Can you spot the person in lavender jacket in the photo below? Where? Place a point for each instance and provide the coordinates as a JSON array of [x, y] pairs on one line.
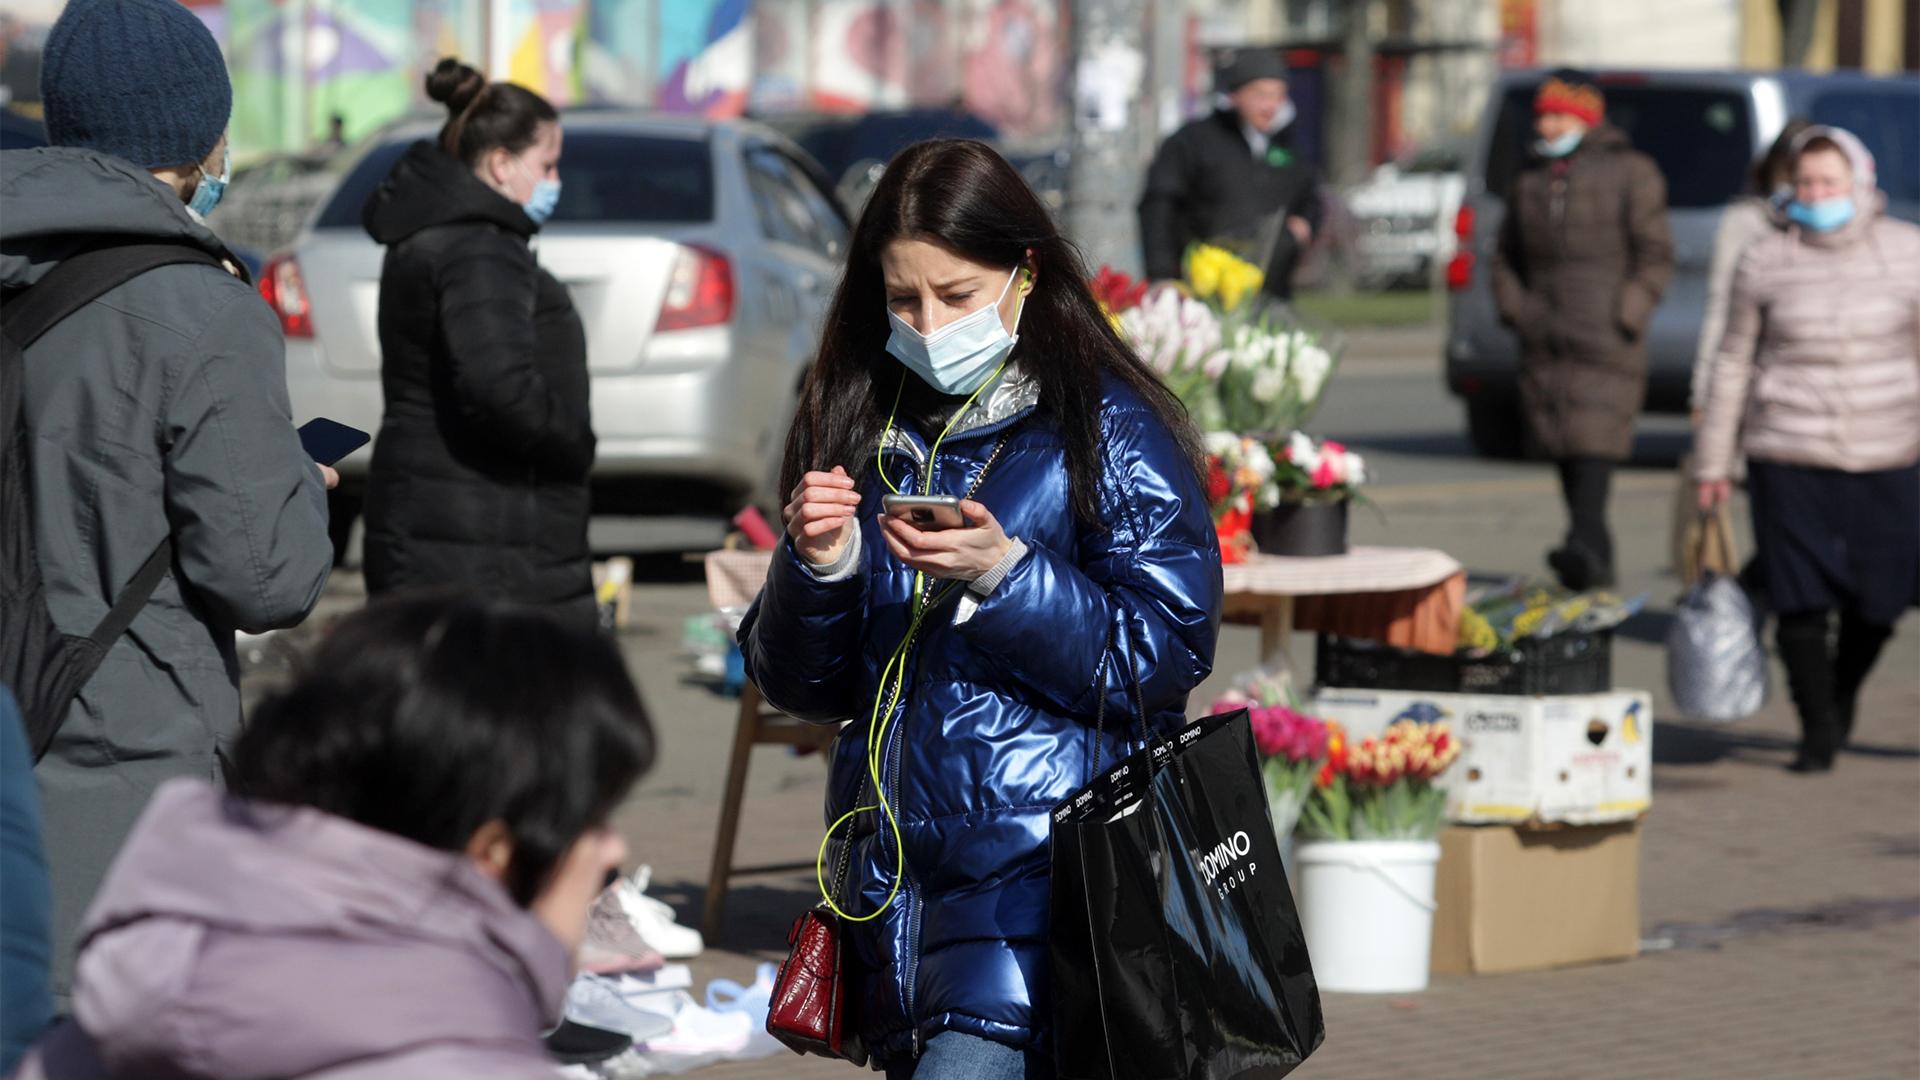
[[397, 885]]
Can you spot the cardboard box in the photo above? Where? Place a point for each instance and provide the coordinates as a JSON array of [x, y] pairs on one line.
[[1520, 899], [1585, 759]]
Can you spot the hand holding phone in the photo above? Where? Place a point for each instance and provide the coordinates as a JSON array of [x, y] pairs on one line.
[[327, 441], [962, 541]]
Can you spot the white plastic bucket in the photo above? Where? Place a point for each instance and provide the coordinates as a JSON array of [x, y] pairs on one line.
[[1367, 906]]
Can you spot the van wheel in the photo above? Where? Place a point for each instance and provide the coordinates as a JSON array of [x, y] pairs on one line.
[[1495, 427]]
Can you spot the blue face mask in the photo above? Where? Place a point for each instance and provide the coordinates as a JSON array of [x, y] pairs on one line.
[[1560, 147], [546, 195], [539, 206], [961, 356], [212, 188], [1823, 216]]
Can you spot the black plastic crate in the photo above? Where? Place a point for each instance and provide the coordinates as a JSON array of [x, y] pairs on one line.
[[1572, 663]]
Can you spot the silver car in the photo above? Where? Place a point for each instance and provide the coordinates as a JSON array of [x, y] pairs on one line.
[[1704, 130], [701, 256]]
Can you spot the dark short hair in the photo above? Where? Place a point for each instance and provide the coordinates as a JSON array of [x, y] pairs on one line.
[[484, 116], [429, 716]]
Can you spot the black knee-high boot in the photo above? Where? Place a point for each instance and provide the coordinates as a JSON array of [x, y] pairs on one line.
[[1585, 560], [1860, 645], [1808, 656]]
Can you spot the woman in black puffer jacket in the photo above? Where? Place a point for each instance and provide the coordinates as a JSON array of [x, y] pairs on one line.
[[479, 477]]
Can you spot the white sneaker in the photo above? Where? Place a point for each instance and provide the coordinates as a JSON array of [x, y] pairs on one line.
[[655, 920], [597, 1002], [700, 1034]]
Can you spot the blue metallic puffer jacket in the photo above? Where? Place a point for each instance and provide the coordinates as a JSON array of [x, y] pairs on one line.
[[996, 726]]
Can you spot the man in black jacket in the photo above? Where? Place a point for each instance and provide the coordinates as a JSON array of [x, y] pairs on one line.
[[1234, 176]]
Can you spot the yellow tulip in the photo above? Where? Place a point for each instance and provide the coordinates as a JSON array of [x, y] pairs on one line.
[[1204, 270]]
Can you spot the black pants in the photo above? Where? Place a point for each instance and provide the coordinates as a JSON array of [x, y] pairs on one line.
[[1584, 484], [1824, 675]]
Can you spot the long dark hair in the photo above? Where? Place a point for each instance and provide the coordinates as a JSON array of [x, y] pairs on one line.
[[482, 115], [429, 716], [963, 195]]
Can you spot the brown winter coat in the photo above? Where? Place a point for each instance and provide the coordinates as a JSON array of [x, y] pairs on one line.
[[1584, 255]]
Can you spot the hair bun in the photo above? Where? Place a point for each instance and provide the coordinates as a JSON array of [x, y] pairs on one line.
[[455, 85]]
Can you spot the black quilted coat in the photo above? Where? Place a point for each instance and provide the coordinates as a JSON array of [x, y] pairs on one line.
[[479, 476]]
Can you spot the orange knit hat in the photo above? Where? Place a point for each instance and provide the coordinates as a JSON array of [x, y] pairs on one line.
[[1573, 96]]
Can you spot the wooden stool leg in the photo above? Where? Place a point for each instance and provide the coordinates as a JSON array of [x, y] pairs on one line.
[[745, 734], [1276, 633]]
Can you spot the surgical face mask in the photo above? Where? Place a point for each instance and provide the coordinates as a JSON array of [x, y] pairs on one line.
[[961, 356], [212, 188], [1825, 215], [546, 195], [1560, 147]]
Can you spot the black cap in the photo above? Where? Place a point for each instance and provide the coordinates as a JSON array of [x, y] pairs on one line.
[[1242, 66]]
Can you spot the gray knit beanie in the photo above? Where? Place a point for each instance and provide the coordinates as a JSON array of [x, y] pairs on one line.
[[142, 80]]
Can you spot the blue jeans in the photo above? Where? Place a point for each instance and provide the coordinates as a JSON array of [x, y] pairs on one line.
[[954, 1055]]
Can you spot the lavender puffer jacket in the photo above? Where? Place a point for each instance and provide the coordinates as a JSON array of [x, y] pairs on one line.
[[243, 941]]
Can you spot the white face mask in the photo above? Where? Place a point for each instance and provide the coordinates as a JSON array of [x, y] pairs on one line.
[[961, 356]]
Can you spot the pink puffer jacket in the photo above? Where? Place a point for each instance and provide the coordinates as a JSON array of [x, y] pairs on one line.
[[1820, 361], [248, 942]]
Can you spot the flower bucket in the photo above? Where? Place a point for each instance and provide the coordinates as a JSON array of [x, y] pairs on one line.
[[1367, 907], [1302, 529]]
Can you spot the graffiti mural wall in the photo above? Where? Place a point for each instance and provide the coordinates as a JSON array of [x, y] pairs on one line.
[[297, 64]]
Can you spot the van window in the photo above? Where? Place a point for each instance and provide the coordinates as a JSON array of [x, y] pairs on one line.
[[1889, 123], [1701, 139]]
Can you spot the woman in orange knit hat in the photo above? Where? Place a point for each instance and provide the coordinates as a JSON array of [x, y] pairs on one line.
[[1584, 255]]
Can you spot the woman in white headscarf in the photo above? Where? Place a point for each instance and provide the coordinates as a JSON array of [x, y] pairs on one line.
[[1817, 383]]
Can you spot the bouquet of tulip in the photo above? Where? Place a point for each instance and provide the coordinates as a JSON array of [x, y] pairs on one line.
[[1309, 471], [1238, 360], [1382, 788], [1503, 615], [1239, 472], [1216, 274], [1292, 745]]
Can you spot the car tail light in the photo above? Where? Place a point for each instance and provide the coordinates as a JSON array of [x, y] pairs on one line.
[[1460, 267], [286, 293], [700, 292]]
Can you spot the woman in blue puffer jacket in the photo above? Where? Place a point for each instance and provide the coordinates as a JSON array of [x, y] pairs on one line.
[[964, 355]]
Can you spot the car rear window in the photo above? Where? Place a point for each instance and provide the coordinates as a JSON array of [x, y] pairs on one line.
[[1888, 122], [604, 177], [1702, 139]]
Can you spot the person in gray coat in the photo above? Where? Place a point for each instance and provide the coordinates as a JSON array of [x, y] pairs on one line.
[[158, 412]]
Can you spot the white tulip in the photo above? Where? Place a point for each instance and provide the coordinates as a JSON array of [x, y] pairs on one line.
[[1309, 371], [1268, 382]]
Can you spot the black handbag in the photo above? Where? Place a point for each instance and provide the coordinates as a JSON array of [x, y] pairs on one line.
[[1176, 950]]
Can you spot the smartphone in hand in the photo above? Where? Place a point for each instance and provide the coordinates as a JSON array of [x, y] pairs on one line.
[[327, 441], [928, 513]]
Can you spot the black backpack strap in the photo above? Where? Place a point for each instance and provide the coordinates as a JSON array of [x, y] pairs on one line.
[[135, 597], [81, 279]]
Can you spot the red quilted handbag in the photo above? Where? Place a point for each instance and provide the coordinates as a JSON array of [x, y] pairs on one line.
[[809, 1008]]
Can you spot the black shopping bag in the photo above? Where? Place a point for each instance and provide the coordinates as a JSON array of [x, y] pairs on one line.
[[1176, 949]]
